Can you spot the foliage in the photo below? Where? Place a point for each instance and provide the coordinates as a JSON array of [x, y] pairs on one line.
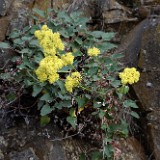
[[99, 87]]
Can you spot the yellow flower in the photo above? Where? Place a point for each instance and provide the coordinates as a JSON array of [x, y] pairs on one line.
[[67, 58], [72, 81], [57, 41], [42, 76], [44, 27], [129, 75], [48, 68], [49, 41], [53, 78], [93, 51]]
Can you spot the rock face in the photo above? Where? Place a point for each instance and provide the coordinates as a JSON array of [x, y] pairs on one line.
[[4, 6], [148, 89], [142, 50]]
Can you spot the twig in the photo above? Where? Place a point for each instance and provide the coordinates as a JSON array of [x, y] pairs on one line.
[[73, 135]]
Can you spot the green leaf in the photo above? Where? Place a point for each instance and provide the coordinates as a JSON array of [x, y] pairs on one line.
[[34, 43], [45, 110], [123, 89], [129, 103], [79, 41], [72, 121], [63, 15], [18, 42], [36, 90], [92, 71], [108, 150], [75, 15], [116, 83], [39, 12], [4, 45], [116, 56], [46, 97], [108, 36], [61, 86], [33, 29], [101, 114], [97, 34], [64, 103], [14, 34], [135, 115], [72, 112], [96, 155], [82, 156], [97, 105], [44, 120], [81, 101], [26, 50]]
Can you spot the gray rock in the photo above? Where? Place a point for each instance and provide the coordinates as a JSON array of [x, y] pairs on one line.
[[142, 51], [4, 6], [27, 154], [1, 155]]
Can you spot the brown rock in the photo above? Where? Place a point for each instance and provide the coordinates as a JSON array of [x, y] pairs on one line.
[[4, 21], [114, 12], [148, 88], [129, 149]]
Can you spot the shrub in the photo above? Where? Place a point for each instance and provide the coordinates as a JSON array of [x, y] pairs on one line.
[[70, 67]]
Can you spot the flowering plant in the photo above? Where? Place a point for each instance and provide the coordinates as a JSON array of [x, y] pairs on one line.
[[71, 69]]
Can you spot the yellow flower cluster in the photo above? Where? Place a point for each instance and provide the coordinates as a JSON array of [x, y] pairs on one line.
[[129, 75], [72, 81], [93, 52], [52, 62], [49, 41], [47, 69], [67, 58]]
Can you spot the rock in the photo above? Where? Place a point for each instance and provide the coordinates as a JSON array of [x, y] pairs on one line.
[[143, 51], [4, 6], [130, 149], [20, 12], [1, 155], [27, 154], [114, 12], [4, 21], [5, 57], [131, 44]]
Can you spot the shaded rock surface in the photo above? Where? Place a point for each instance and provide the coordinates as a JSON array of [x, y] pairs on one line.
[[142, 50], [148, 89]]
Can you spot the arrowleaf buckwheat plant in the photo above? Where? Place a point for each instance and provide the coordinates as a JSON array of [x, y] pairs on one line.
[[71, 70]]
